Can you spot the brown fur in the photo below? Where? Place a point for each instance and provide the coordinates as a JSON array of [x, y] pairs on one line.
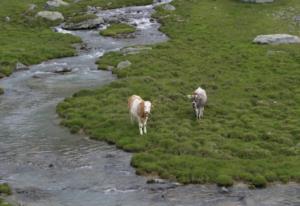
[[141, 111], [131, 99]]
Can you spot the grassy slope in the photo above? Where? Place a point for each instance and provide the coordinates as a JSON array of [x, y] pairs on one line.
[[27, 39], [30, 40], [250, 131], [117, 29]]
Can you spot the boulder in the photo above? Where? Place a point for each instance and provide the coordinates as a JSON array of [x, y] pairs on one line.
[[134, 50], [20, 66], [88, 24], [258, 1], [124, 64], [276, 39], [55, 3], [168, 7], [50, 15]]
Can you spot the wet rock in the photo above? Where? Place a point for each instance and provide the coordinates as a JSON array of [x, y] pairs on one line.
[[88, 24], [109, 156], [168, 7], [156, 181], [51, 165], [50, 15], [32, 193], [163, 186], [276, 39], [258, 1], [55, 3], [20, 67], [224, 190], [62, 70], [124, 64]]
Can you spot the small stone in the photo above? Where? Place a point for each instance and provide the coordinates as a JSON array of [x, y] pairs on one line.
[[88, 24], [124, 64], [168, 7], [224, 190], [20, 66], [7, 19], [276, 39], [50, 15], [258, 1], [55, 3], [297, 18]]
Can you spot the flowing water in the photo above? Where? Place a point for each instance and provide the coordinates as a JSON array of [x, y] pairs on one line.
[[46, 165]]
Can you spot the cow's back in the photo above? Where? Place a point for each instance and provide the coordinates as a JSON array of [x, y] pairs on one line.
[[132, 99], [133, 104], [201, 96]]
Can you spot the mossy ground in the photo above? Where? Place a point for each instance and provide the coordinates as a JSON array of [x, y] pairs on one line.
[[250, 131], [30, 40], [117, 29], [4, 190]]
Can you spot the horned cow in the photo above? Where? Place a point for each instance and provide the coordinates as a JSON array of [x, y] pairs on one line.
[[139, 110]]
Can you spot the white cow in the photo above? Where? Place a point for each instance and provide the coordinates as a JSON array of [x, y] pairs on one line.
[[199, 99], [139, 110]]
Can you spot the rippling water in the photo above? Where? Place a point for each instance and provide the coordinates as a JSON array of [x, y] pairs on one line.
[[46, 165]]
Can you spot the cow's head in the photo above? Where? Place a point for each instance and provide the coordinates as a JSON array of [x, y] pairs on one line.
[[193, 97], [147, 108]]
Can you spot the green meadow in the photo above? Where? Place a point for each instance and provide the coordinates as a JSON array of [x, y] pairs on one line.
[[250, 131]]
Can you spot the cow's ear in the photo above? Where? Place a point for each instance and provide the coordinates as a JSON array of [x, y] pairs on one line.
[[190, 96]]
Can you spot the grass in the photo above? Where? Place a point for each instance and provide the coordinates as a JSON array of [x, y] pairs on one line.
[[118, 30], [4, 203], [250, 131], [4, 190]]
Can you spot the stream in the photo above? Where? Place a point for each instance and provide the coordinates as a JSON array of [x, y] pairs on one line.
[[48, 166]]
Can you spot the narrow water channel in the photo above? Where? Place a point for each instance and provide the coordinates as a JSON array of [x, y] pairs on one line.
[[46, 165]]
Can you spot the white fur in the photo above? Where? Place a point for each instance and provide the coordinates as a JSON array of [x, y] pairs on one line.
[[134, 113], [199, 96]]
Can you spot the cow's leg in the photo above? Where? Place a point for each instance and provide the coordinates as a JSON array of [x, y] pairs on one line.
[[196, 112], [141, 128], [145, 128], [131, 118], [201, 111]]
